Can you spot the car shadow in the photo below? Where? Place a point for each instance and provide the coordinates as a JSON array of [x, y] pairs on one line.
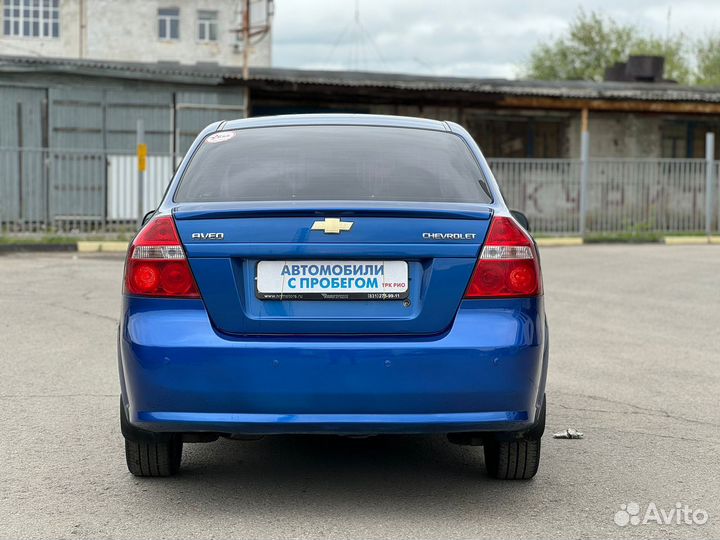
[[377, 475]]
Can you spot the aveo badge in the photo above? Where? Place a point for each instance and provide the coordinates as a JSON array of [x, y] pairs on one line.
[[207, 236]]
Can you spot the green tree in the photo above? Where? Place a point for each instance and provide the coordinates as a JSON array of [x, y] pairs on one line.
[[707, 56], [594, 42], [674, 50]]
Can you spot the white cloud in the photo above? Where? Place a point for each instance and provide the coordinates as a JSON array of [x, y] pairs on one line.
[[476, 38]]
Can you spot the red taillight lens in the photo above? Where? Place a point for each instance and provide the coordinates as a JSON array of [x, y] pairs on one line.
[[508, 264], [156, 264]]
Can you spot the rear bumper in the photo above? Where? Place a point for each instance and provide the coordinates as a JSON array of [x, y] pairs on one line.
[[486, 373]]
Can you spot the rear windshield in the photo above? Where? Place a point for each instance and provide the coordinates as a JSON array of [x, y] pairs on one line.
[[333, 163]]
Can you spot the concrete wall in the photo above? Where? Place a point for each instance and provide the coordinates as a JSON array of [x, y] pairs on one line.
[[612, 135], [618, 135], [127, 31]]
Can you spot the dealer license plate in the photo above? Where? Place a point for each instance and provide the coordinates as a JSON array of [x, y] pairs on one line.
[[332, 280]]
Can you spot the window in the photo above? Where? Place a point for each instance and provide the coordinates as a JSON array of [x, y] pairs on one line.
[[673, 138], [31, 18], [517, 136], [342, 163], [686, 138], [207, 25], [169, 23]]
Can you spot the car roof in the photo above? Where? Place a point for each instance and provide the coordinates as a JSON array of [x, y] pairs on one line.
[[334, 120]]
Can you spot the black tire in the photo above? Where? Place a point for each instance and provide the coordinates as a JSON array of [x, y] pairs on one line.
[[512, 460], [517, 459], [152, 458]]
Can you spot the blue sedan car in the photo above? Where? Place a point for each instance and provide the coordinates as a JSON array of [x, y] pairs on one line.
[[333, 274]]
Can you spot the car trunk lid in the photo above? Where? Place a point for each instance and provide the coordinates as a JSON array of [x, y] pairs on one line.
[[231, 245]]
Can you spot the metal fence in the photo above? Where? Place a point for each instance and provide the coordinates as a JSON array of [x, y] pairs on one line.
[[621, 195], [68, 191], [52, 191]]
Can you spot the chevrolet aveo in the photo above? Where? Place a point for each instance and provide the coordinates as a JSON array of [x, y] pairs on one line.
[[336, 274]]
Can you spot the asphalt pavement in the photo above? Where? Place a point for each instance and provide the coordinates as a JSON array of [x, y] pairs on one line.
[[635, 365]]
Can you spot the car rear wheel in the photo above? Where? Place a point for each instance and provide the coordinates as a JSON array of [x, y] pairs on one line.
[[516, 459], [512, 460], [153, 458]]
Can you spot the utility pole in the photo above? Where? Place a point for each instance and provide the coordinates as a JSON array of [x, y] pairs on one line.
[[81, 29], [584, 164], [245, 31], [246, 39], [709, 182]]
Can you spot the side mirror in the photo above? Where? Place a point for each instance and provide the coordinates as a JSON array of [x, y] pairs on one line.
[[521, 219]]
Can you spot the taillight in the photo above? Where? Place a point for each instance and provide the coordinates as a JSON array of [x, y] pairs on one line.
[[157, 265], [508, 264]]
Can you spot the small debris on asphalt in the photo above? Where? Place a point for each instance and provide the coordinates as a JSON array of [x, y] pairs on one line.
[[569, 433]]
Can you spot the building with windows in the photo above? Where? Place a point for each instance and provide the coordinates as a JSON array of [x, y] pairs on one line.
[[184, 31]]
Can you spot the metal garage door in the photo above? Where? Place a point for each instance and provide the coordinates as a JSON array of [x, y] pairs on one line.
[[22, 174]]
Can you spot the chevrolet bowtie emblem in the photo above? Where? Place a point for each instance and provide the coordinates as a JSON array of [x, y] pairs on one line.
[[332, 225]]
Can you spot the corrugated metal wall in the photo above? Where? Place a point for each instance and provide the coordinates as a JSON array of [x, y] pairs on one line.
[[195, 110], [82, 132], [22, 175], [82, 118]]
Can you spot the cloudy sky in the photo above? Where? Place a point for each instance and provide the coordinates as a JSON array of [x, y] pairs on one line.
[[477, 38]]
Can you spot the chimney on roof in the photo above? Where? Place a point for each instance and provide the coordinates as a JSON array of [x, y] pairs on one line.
[[638, 68], [616, 72]]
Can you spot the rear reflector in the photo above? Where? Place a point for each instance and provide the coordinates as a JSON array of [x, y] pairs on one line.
[[156, 264], [508, 264]]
